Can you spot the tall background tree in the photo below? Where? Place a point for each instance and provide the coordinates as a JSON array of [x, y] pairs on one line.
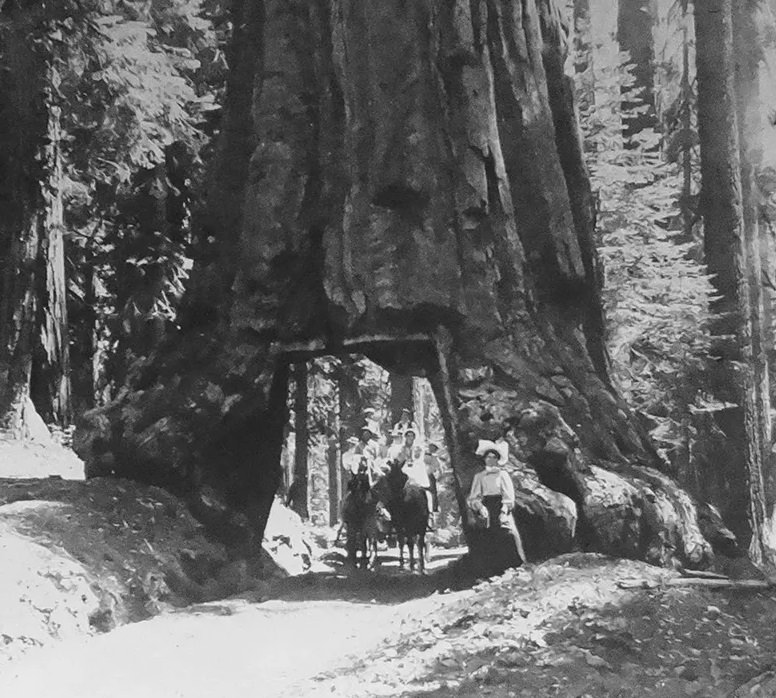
[[129, 95], [33, 316], [728, 57], [635, 24]]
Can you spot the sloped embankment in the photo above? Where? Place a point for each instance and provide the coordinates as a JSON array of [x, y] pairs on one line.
[[86, 556]]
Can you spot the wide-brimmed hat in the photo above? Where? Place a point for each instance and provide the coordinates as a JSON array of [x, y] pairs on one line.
[[372, 427], [501, 448]]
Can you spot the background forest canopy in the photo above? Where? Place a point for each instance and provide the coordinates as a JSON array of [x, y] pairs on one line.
[[109, 119]]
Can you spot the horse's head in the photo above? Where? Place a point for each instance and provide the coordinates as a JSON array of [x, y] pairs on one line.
[[359, 500], [396, 478], [360, 484]]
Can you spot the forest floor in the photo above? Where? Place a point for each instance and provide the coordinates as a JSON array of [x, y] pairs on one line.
[[80, 558]]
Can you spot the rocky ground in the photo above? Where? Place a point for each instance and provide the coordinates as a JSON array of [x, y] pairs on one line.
[[83, 560]]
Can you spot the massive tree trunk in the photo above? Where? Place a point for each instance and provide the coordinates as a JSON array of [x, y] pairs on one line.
[[728, 205], [32, 306], [416, 192]]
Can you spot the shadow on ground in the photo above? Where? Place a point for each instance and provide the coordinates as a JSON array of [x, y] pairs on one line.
[[387, 585]]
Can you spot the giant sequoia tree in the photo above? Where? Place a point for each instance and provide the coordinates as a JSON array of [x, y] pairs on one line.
[[33, 318], [404, 180]]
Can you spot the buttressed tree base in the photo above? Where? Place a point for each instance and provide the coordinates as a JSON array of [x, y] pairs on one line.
[[405, 180]]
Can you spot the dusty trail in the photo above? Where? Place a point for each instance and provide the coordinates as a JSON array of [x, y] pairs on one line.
[[580, 624], [236, 647], [230, 648]]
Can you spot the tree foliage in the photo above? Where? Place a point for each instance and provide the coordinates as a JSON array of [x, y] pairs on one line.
[[144, 81], [656, 294]]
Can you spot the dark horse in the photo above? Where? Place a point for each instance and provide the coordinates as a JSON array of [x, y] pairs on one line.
[[408, 507], [364, 525]]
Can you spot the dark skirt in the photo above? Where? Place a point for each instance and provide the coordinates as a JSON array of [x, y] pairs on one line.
[[499, 545]]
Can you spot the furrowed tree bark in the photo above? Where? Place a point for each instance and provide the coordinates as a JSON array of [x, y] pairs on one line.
[[725, 104], [415, 192], [762, 486], [32, 306], [50, 379]]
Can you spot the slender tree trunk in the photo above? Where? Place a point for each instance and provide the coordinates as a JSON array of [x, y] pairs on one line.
[[583, 55], [720, 205], [761, 480], [85, 360], [349, 412], [635, 21], [725, 120], [301, 457], [335, 482], [401, 395], [688, 214]]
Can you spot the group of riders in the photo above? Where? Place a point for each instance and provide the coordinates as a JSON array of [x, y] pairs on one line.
[[371, 454], [491, 498]]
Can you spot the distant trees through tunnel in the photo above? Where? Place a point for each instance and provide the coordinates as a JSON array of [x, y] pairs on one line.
[[340, 395]]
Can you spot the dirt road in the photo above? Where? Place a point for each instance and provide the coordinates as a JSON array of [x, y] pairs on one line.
[[238, 647], [232, 648], [577, 625]]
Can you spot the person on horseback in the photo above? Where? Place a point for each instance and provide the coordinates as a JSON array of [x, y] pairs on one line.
[[492, 499], [396, 447], [416, 471], [364, 456], [433, 469], [405, 422]]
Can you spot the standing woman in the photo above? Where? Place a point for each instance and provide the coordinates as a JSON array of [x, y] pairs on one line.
[[492, 491]]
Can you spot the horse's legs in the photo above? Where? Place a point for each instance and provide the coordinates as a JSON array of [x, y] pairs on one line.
[[364, 551], [351, 546], [411, 546], [422, 553], [400, 537]]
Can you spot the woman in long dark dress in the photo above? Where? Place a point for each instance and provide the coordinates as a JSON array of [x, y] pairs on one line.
[[492, 498]]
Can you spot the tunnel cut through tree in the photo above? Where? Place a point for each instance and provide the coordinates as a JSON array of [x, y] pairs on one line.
[[344, 393], [404, 180]]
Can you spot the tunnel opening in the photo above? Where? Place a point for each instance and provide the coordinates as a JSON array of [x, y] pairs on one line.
[[333, 392]]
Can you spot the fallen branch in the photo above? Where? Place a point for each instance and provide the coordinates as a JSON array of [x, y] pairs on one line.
[[712, 583]]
